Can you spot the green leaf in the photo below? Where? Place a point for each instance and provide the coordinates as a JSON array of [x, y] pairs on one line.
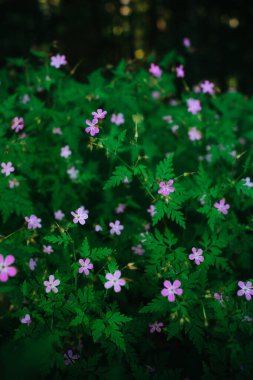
[[118, 176]]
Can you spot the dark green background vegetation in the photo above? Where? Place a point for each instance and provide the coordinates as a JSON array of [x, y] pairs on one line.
[[99, 32]]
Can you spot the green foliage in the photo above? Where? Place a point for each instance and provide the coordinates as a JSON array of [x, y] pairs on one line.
[[122, 167]]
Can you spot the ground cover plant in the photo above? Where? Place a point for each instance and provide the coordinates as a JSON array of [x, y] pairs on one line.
[[126, 223]]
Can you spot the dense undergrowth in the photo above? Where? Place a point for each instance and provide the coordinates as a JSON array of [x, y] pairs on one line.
[[131, 232]]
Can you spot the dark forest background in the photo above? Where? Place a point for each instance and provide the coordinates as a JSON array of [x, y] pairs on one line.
[[99, 32]]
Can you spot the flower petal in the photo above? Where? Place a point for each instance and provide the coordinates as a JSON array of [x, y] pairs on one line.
[[9, 260]]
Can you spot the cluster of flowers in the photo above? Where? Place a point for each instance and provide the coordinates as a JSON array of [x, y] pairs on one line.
[[93, 128]]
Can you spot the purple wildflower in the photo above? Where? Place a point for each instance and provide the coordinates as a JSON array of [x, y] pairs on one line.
[[13, 183], [86, 266], [222, 207], [26, 320], [117, 119], [151, 210], [32, 263], [58, 60], [57, 131], [168, 118], [165, 188], [59, 215], [194, 134], [25, 99], [114, 281], [180, 71], [33, 222], [207, 87], [155, 70], [194, 106], [7, 169], [17, 124], [6, 270], [186, 42], [196, 255], [116, 227], [73, 172], [156, 327], [99, 114], [120, 208], [52, 284], [65, 151], [138, 250], [48, 249], [70, 357], [92, 128], [246, 289], [171, 290], [80, 215], [247, 182]]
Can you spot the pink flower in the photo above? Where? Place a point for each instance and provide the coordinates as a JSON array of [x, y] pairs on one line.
[[120, 208], [165, 188], [80, 215], [186, 42], [114, 281], [52, 284], [247, 182], [222, 207], [86, 266], [171, 289], [32, 263], [219, 297], [207, 87], [155, 70], [13, 183], [73, 172], [6, 270], [33, 222], [17, 124], [174, 128], [156, 326], [194, 106], [155, 94], [151, 210], [58, 60], [196, 255], [126, 180], [98, 228], [117, 119], [196, 89], [194, 134], [25, 99], [57, 131], [202, 199], [173, 102], [92, 129], [138, 250], [168, 118], [116, 228], [26, 320], [59, 215], [246, 289], [99, 114], [69, 357], [180, 71], [48, 249], [7, 169], [65, 151]]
